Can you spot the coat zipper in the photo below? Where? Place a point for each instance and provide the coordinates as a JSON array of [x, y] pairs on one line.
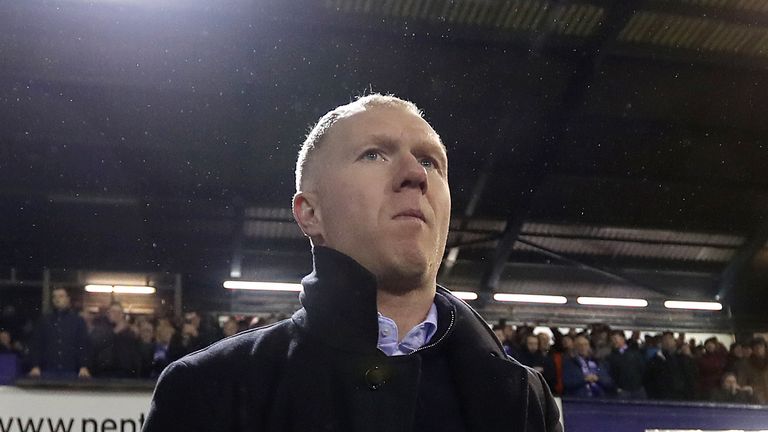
[[445, 333]]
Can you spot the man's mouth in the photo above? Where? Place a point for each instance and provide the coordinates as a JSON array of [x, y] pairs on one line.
[[411, 213]]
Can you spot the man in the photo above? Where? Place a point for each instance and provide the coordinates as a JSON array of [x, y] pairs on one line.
[[59, 347], [711, 365], [626, 366], [533, 356], [754, 371], [377, 345], [731, 392], [583, 374], [562, 351], [670, 375]]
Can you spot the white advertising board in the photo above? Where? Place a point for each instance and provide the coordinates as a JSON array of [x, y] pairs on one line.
[[45, 410]]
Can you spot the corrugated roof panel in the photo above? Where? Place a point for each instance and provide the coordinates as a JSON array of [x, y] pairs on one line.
[[589, 25], [662, 30], [537, 17], [268, 213], [761, 46], [519, 13], [567, 17], [644, 30], [629, 249], [527, 13], [502, 13], [747, 39], [636, 234], [712, 37], [629, 31], [679, 28], [474, 11], [489, 14], [695, 28], [694, 33]]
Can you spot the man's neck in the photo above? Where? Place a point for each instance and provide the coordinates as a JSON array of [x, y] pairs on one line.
[[406, 310]]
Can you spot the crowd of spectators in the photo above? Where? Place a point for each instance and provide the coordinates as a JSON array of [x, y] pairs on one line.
[[598, 362], [67, 344], [604, 363]]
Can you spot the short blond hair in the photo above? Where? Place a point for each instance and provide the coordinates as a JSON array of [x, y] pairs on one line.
[[320, 129]]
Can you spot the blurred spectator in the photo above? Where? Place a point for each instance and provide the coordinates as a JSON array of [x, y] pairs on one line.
[[196, 333], [7, 345], [754, 371], [11, 322], [710, 365], [146, 332], [600, 341], [59, 347], [499, 330], [255, 322], [583, 375], [117, 355], [651, 347], [558, 356], [9, 358], [626, 366], [545, 342], [670, 375], [230, 327], [735, 357], [160, 358], [731, 392], [532, 357], [511, 334]]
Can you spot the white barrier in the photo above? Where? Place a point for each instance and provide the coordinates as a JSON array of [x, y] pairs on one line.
[[70, 410], [66, 410]]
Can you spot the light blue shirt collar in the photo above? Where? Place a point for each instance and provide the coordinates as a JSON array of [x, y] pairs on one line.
[[416, 338]]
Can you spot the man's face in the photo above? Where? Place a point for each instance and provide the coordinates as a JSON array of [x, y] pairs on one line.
[[146, 332], [60, 299], [617, 341], [192, 318], [230, 327], [730, 383], [532, 343], [737, 351], [758, 350], [382, 194], [668, 343], [509, 332], [543, 341], [582, 346], [5, 338], [115, 314], [567, 342]]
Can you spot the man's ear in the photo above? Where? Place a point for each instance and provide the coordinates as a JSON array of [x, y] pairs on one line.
[[308, 217]]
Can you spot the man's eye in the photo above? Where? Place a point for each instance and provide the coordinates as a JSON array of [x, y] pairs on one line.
[[428, 163], [372, 155]]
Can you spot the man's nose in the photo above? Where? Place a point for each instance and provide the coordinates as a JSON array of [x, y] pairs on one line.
[[411, 174]]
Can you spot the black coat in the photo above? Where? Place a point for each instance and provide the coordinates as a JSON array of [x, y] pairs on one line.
[[670, 376], [626, 369], [320, 370], [60, 343]]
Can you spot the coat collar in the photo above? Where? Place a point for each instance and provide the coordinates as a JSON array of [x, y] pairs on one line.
[[339, 302]]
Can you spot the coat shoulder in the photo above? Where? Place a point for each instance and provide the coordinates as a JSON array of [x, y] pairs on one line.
[[243, 348]]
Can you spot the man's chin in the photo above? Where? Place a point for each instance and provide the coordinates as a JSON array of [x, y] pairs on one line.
[[401, 277]]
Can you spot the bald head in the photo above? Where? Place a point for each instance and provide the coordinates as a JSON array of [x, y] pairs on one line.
[[306, 169]]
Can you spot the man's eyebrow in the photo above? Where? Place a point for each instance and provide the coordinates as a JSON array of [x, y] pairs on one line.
[[387, 141]]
